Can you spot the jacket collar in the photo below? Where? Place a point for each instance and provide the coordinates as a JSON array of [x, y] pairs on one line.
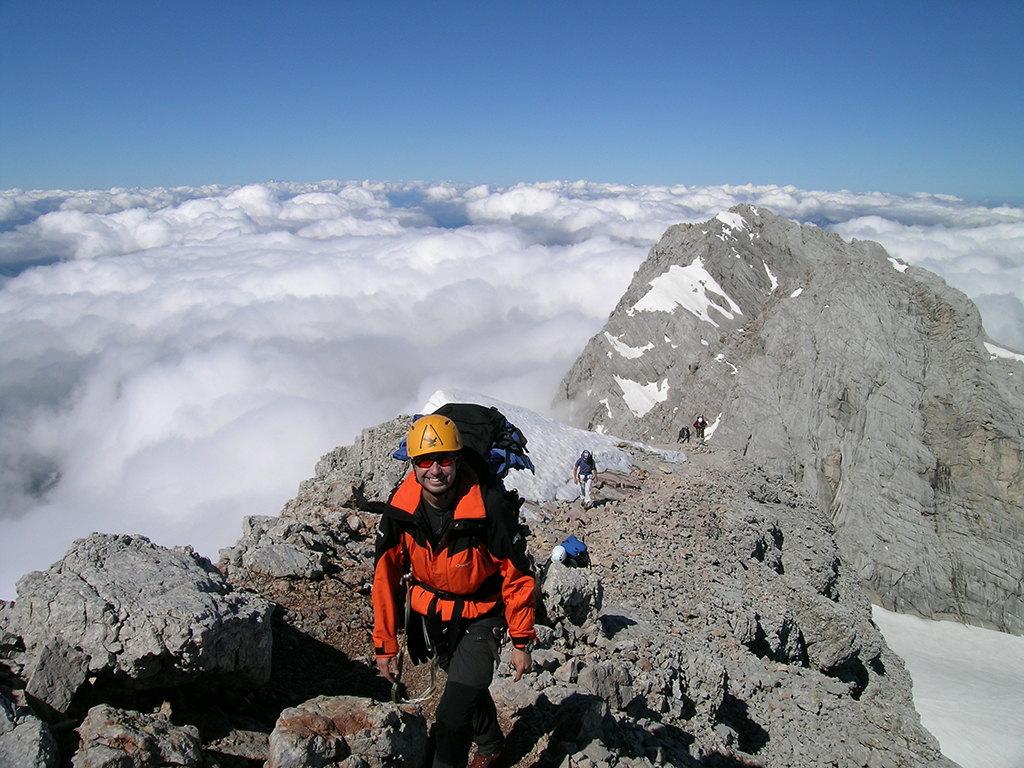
[[469, 501]]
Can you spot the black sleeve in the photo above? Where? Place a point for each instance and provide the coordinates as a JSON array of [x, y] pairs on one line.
[[387, 536]]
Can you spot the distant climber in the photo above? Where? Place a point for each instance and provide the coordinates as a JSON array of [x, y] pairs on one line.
[[583, 474], [700, 425], [684, 434]]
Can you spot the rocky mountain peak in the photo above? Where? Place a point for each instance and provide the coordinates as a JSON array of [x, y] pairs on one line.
[[868, 382]]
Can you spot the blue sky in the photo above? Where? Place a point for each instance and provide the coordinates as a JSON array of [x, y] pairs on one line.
[[894, 97]]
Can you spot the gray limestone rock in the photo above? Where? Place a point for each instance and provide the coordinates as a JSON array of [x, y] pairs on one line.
[[609, 680], [729, 626], [366, 464], [280, 547], [120, 738], [122, 608], [25, 740], [339, 730], [869, 383], [60, 670], [572, 593]]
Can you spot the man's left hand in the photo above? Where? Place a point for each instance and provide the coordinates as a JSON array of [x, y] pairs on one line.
[[521, 661]]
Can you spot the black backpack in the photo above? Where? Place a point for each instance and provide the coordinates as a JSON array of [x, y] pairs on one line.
[[492, 445]]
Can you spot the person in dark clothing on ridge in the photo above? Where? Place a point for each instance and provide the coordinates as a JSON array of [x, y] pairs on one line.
[[584, 472]]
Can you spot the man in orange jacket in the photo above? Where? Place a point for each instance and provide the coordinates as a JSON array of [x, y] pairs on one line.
[[469, 576]]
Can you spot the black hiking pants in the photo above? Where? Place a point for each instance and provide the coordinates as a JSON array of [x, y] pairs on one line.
[[466, 712]]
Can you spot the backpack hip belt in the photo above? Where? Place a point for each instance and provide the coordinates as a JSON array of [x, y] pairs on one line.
[[435, 624]]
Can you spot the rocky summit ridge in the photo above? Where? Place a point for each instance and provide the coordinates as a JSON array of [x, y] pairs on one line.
[[717, 626], [869, 383]]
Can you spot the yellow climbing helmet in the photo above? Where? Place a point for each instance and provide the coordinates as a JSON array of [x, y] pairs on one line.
[[433, 434]]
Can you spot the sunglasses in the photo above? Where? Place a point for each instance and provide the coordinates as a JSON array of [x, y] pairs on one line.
[[428, 461]]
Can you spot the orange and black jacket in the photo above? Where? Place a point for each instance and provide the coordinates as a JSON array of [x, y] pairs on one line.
[[479, 564]]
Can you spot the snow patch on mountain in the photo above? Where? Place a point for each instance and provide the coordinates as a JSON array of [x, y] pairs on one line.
[[641, 398], [553, 447], [628, 352], [1001, 352], [687, 287]]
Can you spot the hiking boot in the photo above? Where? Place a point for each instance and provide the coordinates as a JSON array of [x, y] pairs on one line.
[[484, 761]]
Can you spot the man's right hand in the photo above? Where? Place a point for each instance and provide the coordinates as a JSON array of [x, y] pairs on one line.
[[388, 666]]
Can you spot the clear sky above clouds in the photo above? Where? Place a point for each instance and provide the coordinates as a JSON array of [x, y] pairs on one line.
[[893, 97]]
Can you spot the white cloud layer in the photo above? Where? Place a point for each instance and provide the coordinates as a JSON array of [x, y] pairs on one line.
[[174, 359]]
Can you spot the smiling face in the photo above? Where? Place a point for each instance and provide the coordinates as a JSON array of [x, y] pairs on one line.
[[435, 472]]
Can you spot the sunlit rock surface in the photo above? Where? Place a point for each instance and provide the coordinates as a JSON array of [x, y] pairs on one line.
[[869, 383]]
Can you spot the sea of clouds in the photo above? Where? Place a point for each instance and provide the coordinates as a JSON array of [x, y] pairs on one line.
[[174, 359]]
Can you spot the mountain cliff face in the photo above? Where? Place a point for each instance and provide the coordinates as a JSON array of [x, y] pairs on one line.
[[869, 383]]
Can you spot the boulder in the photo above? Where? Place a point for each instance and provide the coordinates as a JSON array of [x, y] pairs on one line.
[[25, 740], [571, 593], [125, 609], [117, 738], [608, 680], [349, 731]]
